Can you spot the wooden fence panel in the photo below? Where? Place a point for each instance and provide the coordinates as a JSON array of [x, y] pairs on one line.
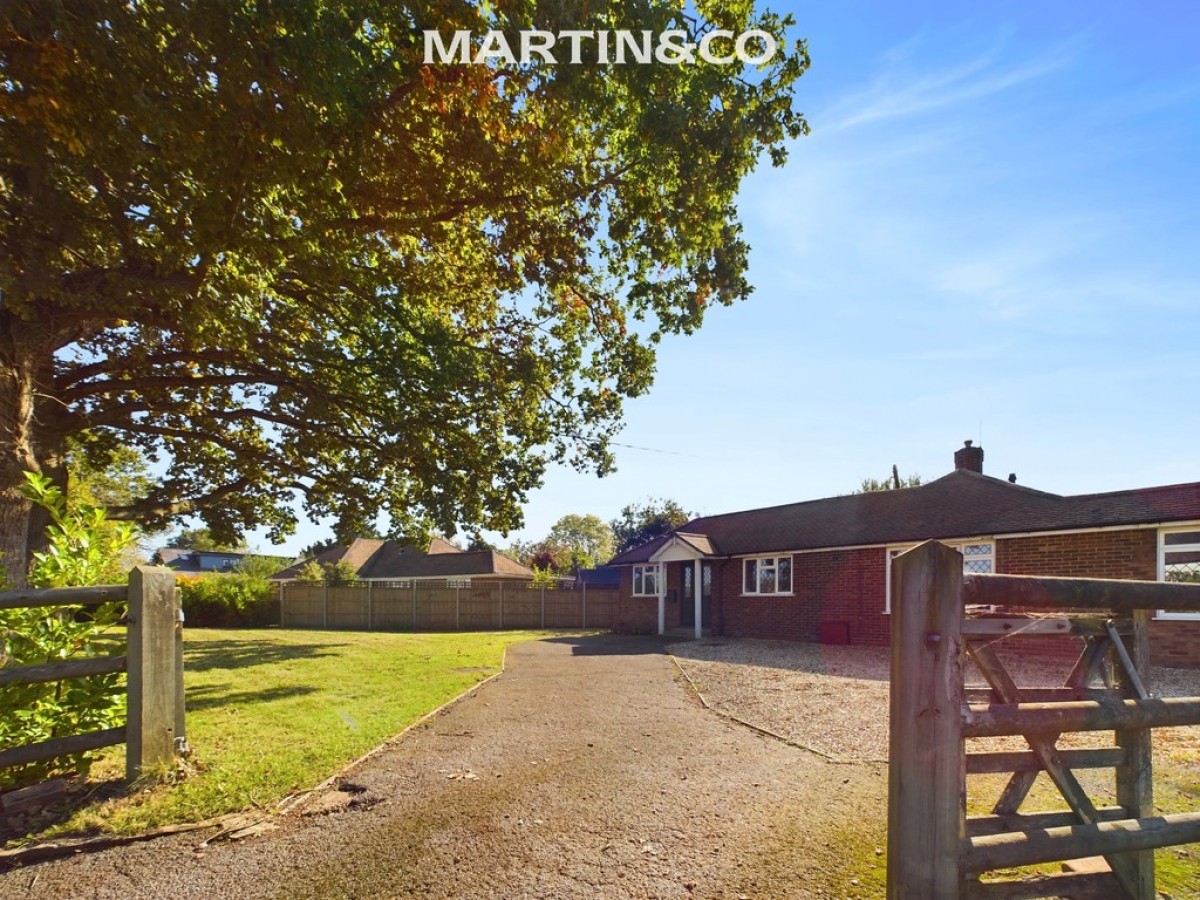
[[347, 608], [479, 606], [392, 608], [601, 608], [564, 609], [436, 608], [483, 605], [303, 605], [522, 607]]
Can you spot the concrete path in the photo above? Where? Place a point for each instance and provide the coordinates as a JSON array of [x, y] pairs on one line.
[[586, 770]]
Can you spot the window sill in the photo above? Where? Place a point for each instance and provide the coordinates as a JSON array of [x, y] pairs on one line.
[[756, 596]]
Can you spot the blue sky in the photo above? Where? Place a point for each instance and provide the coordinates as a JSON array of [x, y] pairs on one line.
[[991, 234]]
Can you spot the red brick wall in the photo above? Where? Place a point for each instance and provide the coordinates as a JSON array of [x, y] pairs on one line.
[[841, 587], [634, 615], [1175, 643], [1098, 554]]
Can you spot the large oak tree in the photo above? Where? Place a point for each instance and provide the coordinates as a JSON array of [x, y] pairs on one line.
[[268, 245]]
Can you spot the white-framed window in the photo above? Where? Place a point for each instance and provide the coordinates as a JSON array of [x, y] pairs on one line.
[[979, 558], [645, 581], [767, 575], [1179, 560]]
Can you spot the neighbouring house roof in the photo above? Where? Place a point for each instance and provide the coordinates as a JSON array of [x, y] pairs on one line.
[[391, 560], [962, 504], [599, 577], [180, 559]]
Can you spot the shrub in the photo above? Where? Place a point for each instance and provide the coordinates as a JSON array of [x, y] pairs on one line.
[[236, 600], [85, 549], [337, 574]]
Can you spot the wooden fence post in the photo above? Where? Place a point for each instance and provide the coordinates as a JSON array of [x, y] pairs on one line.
[[926, 775], [325, 605], [181, 744], [543, 606], [414, 606], [151, 715], [370, 612], [502, 605], [457, 608]]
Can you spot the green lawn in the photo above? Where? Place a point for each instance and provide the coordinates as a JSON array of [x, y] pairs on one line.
[[273, 711], [1176, 789]]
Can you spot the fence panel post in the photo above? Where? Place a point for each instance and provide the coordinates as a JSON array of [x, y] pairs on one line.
[[457, 608], [150, 711], [414, 606], [543, 606], [325, 605], [926, 776], [370, 611]]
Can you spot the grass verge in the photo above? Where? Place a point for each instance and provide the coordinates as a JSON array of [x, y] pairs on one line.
[[272, 712], [1176, 790]]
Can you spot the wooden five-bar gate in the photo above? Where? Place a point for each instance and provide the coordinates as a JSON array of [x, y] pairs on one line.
[[153, 663], [935, 850]]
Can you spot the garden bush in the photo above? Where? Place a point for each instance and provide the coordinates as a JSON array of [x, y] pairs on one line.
[[236, 600], [85, 548]]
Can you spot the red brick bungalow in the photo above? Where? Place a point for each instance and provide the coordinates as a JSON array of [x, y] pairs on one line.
[[818, 570]]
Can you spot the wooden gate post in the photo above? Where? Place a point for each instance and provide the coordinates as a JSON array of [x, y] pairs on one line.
[[1135, 779], [150, 717], [926, 774]]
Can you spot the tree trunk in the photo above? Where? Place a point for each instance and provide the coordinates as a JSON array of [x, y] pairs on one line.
[[29, 441]]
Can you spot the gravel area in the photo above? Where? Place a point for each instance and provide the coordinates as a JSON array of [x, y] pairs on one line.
[[834, 700]]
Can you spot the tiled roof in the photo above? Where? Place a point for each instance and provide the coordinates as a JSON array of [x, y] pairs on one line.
[[961, 504], [389, 559]]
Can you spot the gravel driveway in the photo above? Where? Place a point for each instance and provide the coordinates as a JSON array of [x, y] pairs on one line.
[[588, 769]]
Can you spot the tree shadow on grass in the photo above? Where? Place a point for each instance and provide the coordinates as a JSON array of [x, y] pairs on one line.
[[212, 696], [205, 656]]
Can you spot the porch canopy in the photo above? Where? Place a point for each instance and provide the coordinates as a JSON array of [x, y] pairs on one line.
[[681, 547]]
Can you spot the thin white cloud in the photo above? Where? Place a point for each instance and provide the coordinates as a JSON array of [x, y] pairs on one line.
[[900, 91]]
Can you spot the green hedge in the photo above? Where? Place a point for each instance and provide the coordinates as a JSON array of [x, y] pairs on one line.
[[228, 601]]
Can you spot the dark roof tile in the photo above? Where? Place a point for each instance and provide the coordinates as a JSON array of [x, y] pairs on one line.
[[961, 504]]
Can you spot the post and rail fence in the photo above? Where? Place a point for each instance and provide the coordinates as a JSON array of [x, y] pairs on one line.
[[153, 662], [935, 850], [444, 605]]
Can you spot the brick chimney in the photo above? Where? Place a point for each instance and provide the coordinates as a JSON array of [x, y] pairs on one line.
[[969, 458]]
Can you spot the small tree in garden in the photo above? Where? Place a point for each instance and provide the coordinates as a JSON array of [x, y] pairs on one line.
[[84, 549]]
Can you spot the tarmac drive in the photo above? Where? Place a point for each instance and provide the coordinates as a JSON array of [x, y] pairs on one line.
[[588, 769]]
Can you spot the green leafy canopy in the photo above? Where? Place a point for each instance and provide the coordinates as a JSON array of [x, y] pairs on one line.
[[267, 245]]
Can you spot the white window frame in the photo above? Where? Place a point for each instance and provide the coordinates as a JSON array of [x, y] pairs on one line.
[[896, 549], [775, 559], [639, 575], [1162, 565]]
